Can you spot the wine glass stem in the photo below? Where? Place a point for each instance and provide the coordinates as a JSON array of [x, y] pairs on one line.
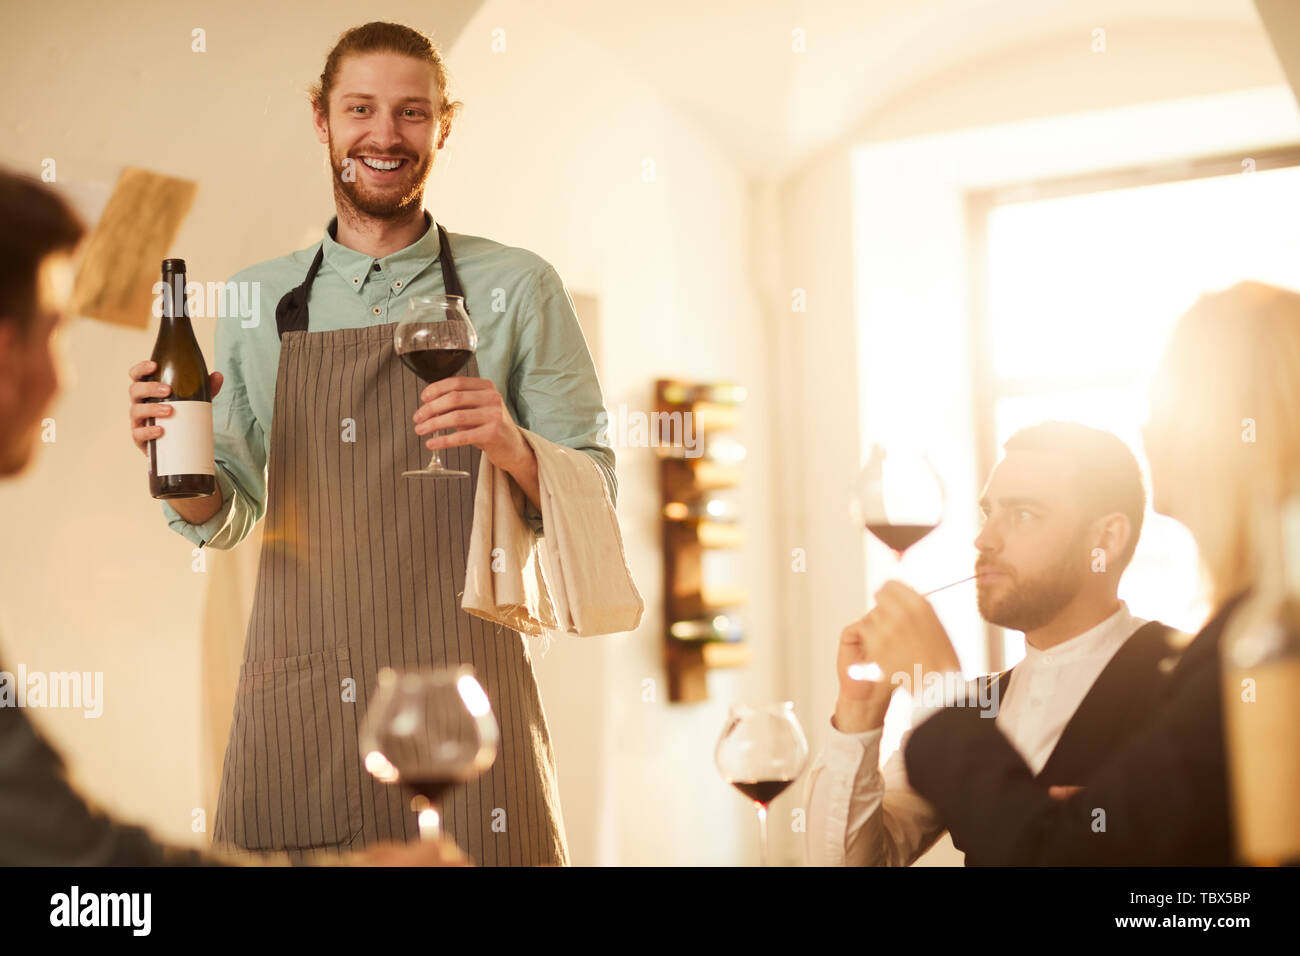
[[762, 835], [436, 463], [430, 824]]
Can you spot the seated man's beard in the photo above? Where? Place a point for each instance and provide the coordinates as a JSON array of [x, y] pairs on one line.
[[390, 205], [1032, 602]]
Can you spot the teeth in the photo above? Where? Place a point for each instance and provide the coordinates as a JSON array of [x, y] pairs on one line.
[[381, 163]]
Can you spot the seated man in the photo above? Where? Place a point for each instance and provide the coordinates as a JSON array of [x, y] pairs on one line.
[[43, 821], [1161, 799], [1062, 515]]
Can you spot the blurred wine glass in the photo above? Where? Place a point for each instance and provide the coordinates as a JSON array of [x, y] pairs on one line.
[[429, 730]]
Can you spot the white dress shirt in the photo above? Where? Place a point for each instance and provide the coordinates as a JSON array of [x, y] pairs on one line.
[[859, 815]]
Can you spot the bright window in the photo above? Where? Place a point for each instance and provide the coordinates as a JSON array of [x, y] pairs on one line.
[[1082, 292]]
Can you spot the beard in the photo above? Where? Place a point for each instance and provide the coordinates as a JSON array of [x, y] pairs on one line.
[[396, 201], [1031, 602]]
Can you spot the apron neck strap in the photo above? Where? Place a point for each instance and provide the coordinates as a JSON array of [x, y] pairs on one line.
[[291, 313], [450, 280]]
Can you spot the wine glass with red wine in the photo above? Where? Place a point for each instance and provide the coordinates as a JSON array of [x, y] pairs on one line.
[[898, 498], [429, 731], [761, 752], [435, 339]]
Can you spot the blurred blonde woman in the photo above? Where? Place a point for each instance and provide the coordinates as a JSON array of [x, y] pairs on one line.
[[1223, 437], [1224, 431]]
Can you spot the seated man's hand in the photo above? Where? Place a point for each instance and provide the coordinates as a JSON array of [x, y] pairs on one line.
[[862, 703], [906, 633]]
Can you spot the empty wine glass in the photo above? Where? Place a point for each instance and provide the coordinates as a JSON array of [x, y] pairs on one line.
[[429, 730], [435, 339], [761, 752]]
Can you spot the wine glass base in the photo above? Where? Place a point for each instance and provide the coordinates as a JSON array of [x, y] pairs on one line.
[[443, 473]]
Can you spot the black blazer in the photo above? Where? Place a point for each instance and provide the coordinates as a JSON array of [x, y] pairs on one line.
[[1156, 793]]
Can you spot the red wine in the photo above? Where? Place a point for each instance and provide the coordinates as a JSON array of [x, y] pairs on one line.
[[181, 460], [761, 791], [431, 788], [433, 365], [900, 537]]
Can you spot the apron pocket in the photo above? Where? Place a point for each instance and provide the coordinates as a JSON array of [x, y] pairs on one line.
[[293, 777]]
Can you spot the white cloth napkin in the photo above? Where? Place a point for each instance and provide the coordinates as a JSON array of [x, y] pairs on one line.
[[574, 577]]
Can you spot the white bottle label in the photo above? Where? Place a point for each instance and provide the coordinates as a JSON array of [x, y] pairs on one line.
[[185, 447]]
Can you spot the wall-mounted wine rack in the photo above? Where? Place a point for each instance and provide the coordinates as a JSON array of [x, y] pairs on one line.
[[700, 466]]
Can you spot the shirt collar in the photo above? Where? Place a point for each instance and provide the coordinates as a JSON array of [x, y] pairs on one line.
[[1115, 629], [398, 270]]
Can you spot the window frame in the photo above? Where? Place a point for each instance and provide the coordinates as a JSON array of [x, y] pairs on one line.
[[987, 387]]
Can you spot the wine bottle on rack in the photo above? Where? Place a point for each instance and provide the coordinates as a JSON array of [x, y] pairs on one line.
[[717, 628], [181, 460], [711, 508], [721, 393]]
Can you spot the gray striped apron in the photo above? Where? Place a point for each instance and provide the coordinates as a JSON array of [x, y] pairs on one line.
[[361, 569]]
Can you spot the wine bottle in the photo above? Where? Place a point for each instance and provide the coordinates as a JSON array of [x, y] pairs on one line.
[[710, 508], [718, 628], [685, 393], [721, 450], [1261, 697], [181, 460]]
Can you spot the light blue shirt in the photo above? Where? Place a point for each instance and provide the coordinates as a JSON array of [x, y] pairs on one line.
[[529, 344]]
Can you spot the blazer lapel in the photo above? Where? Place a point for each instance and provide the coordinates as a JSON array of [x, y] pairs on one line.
[[1117, 704]]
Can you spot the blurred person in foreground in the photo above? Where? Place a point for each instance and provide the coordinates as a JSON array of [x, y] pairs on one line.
[[1162, 799], [43, 820]]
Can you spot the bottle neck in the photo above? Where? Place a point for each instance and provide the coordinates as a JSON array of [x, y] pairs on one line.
[[175, 316]]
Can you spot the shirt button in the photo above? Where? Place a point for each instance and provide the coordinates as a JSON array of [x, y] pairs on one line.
[[1047, 659], [375, 310], [356, 281], [376, 266], [397, 284]]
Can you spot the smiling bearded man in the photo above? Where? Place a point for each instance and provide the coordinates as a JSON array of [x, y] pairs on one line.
[[315, 427]]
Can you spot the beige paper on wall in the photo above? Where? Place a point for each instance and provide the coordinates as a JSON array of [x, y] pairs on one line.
[[120, 265]]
